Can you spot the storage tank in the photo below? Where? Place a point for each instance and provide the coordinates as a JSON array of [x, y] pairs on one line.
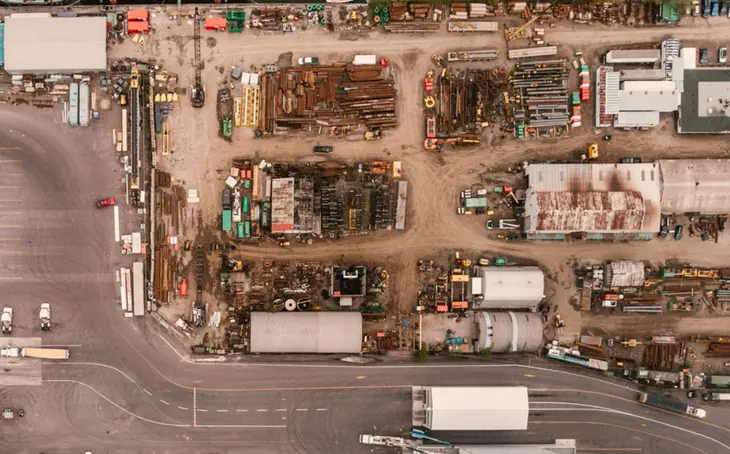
[[510, 332]]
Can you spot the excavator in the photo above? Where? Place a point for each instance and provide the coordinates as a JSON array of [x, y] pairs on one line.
[[436, 144]]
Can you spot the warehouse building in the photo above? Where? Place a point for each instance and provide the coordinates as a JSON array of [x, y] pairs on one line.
[[695, 186], [512, 287], [306, 332], [633, 56], [37, 43], [509, 332], [705, 105], [483, 408], [592, 201]]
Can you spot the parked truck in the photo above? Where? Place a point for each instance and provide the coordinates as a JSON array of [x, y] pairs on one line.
[[6, 318], [32, 352], [667, 403], [45, 316], [717, 396]]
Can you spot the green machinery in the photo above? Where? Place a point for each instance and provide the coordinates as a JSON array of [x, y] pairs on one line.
[[235, 20]]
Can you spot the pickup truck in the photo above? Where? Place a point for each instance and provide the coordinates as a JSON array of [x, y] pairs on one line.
[[667, 403]]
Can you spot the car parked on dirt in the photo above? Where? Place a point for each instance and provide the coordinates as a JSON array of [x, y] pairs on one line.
[[703, 55], [323, 149], [108, 202], [308, 61], [722, 55]]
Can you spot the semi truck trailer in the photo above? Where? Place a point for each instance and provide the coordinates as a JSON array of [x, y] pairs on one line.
[[32, 352], [716, 396], [667, 403]]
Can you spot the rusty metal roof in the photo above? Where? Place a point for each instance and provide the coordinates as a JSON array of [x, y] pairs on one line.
[[589, 211]]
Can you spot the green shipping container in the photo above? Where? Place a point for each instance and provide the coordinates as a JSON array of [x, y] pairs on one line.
[[247, 229], [227, 220], [246, 208], [475, 202], [265, 218], [240, 230]]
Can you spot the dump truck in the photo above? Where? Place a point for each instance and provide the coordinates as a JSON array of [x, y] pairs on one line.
[[6, 318], [32, 352], [45, 316], [667, 403]]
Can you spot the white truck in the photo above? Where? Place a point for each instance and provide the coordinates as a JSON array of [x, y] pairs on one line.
[[45, 316], [6, 319], [365, 60], [33, 352]]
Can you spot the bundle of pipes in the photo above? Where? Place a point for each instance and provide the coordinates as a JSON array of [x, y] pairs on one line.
[[398, 12], [413, 27], [420, 10], [479, 10], [517, 7], [543, 88], [458, 11]]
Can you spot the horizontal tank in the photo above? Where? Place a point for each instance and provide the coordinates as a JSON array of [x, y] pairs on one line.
[[510, 332]]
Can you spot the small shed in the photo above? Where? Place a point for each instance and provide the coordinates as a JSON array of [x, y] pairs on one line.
[[216, 24], [138, 27], [141, 15]]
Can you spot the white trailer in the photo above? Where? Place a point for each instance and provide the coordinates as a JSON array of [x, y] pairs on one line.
[[466, 408], [365, 60], [138, 286], [32, 352], [45, 316], [7, 320]]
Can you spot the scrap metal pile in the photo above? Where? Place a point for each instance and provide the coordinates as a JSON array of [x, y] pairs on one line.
[[539, 96], [343, 96]]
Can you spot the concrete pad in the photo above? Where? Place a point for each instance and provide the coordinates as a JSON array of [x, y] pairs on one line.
[[434, 328]]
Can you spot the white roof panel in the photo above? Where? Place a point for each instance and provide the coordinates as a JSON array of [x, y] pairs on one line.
[[512, 287], [639, 100], [50, 45], [628, 119], [479, 408], [695, 186], [306, 332]]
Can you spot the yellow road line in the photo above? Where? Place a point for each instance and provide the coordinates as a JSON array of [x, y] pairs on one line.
[[9, 148], [10, 226], [9, 187], [10, 252], [616, 426], [10, 278], [632, 401], [10, 239], [610, 449], [10, 161], [10, 200]]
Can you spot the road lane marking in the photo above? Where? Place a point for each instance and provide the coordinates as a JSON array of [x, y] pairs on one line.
[[587, 407], [616, 426], [7, 278], [10, 252], [80, 363], [203, 410], [222, 411], [10, 148], [233, 426], [141, 418], [165, 402], [195, 407], [10, 161], [610, 449], [360, 377], [241, 410], [529, 375], [182, 408], [321, 409], [278, 409], [148, 393], [263, 409], [11, 226], [301, 409], [9, 187], [182, 358]]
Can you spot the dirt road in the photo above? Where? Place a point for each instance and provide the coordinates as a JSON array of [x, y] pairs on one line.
[[202, 158]]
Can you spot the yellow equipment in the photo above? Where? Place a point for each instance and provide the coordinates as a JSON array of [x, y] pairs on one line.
[[511, 34], [429, 102], [438, 59], [591, 153], [631, 343], [435, 144], [135, 79]]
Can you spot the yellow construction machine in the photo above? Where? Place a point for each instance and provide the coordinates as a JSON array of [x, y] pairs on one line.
[[435, 144], [591, 153]]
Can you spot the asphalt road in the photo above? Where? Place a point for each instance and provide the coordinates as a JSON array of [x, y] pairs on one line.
[[128, 389]]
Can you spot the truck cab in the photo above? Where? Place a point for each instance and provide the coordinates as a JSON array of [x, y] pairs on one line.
[[6, 319], [45, 316]]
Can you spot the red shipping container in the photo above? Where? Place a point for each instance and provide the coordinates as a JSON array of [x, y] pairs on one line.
[[138, 15], [138, 27]]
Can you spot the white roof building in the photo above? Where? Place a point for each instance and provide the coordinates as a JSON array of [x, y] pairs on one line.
[[656, 95], [695, 186], [42, 44], [306, 332], [510, 287], [471, 408], [633, 56]]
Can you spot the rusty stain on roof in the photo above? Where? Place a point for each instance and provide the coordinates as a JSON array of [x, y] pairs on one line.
[[590, 211]]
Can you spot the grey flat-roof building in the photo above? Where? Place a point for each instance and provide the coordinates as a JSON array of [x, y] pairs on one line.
[[42, 44], [306, 332], [705, 108], [695, 186]]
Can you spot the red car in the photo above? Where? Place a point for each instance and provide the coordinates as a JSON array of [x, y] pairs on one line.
[[103, 203]]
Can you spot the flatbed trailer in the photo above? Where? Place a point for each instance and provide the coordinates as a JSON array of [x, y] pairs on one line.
[[473, 26], [472, 55], [530, 52]]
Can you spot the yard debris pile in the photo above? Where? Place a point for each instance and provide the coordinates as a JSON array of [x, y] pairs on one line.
[[338, 96]]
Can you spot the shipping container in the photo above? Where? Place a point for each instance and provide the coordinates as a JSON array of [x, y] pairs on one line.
[[247, 229], [227, 220], [73, 105], [246, 208], [2, 44], [239, 227], [84, 105], [475, 202]]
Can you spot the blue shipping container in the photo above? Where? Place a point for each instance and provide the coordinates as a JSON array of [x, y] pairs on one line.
[[2, 44]]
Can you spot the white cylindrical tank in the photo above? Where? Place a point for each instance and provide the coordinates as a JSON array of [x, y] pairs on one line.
[[510, 332]]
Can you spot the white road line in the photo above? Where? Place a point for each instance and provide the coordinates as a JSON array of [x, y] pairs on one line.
[[79, 363], [116, 223], [222, 411], [241, 411], [203, 410], [587, 407], [232, 426], [182, 358], [182, 408], [278, 409], [141, 418], [321, 409], [262, 409], [195, 406], [63, 345], [147, 392], [134, 328], [301, 409], [165, 402]]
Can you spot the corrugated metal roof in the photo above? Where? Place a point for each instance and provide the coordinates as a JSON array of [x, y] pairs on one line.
[[628, 119], [512, 287], [643, 74], [282, 205], [613, 100], [695, 186], [48, 45], [624, 273], [306, 332], [479, 408], [638, 100], [589, 211]]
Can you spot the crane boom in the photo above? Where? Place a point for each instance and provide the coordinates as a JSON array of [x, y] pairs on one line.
[[197, 91]]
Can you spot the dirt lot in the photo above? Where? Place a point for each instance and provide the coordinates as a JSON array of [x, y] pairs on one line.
[[201, 157]]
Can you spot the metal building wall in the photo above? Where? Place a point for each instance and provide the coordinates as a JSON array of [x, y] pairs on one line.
[[510, 332]]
